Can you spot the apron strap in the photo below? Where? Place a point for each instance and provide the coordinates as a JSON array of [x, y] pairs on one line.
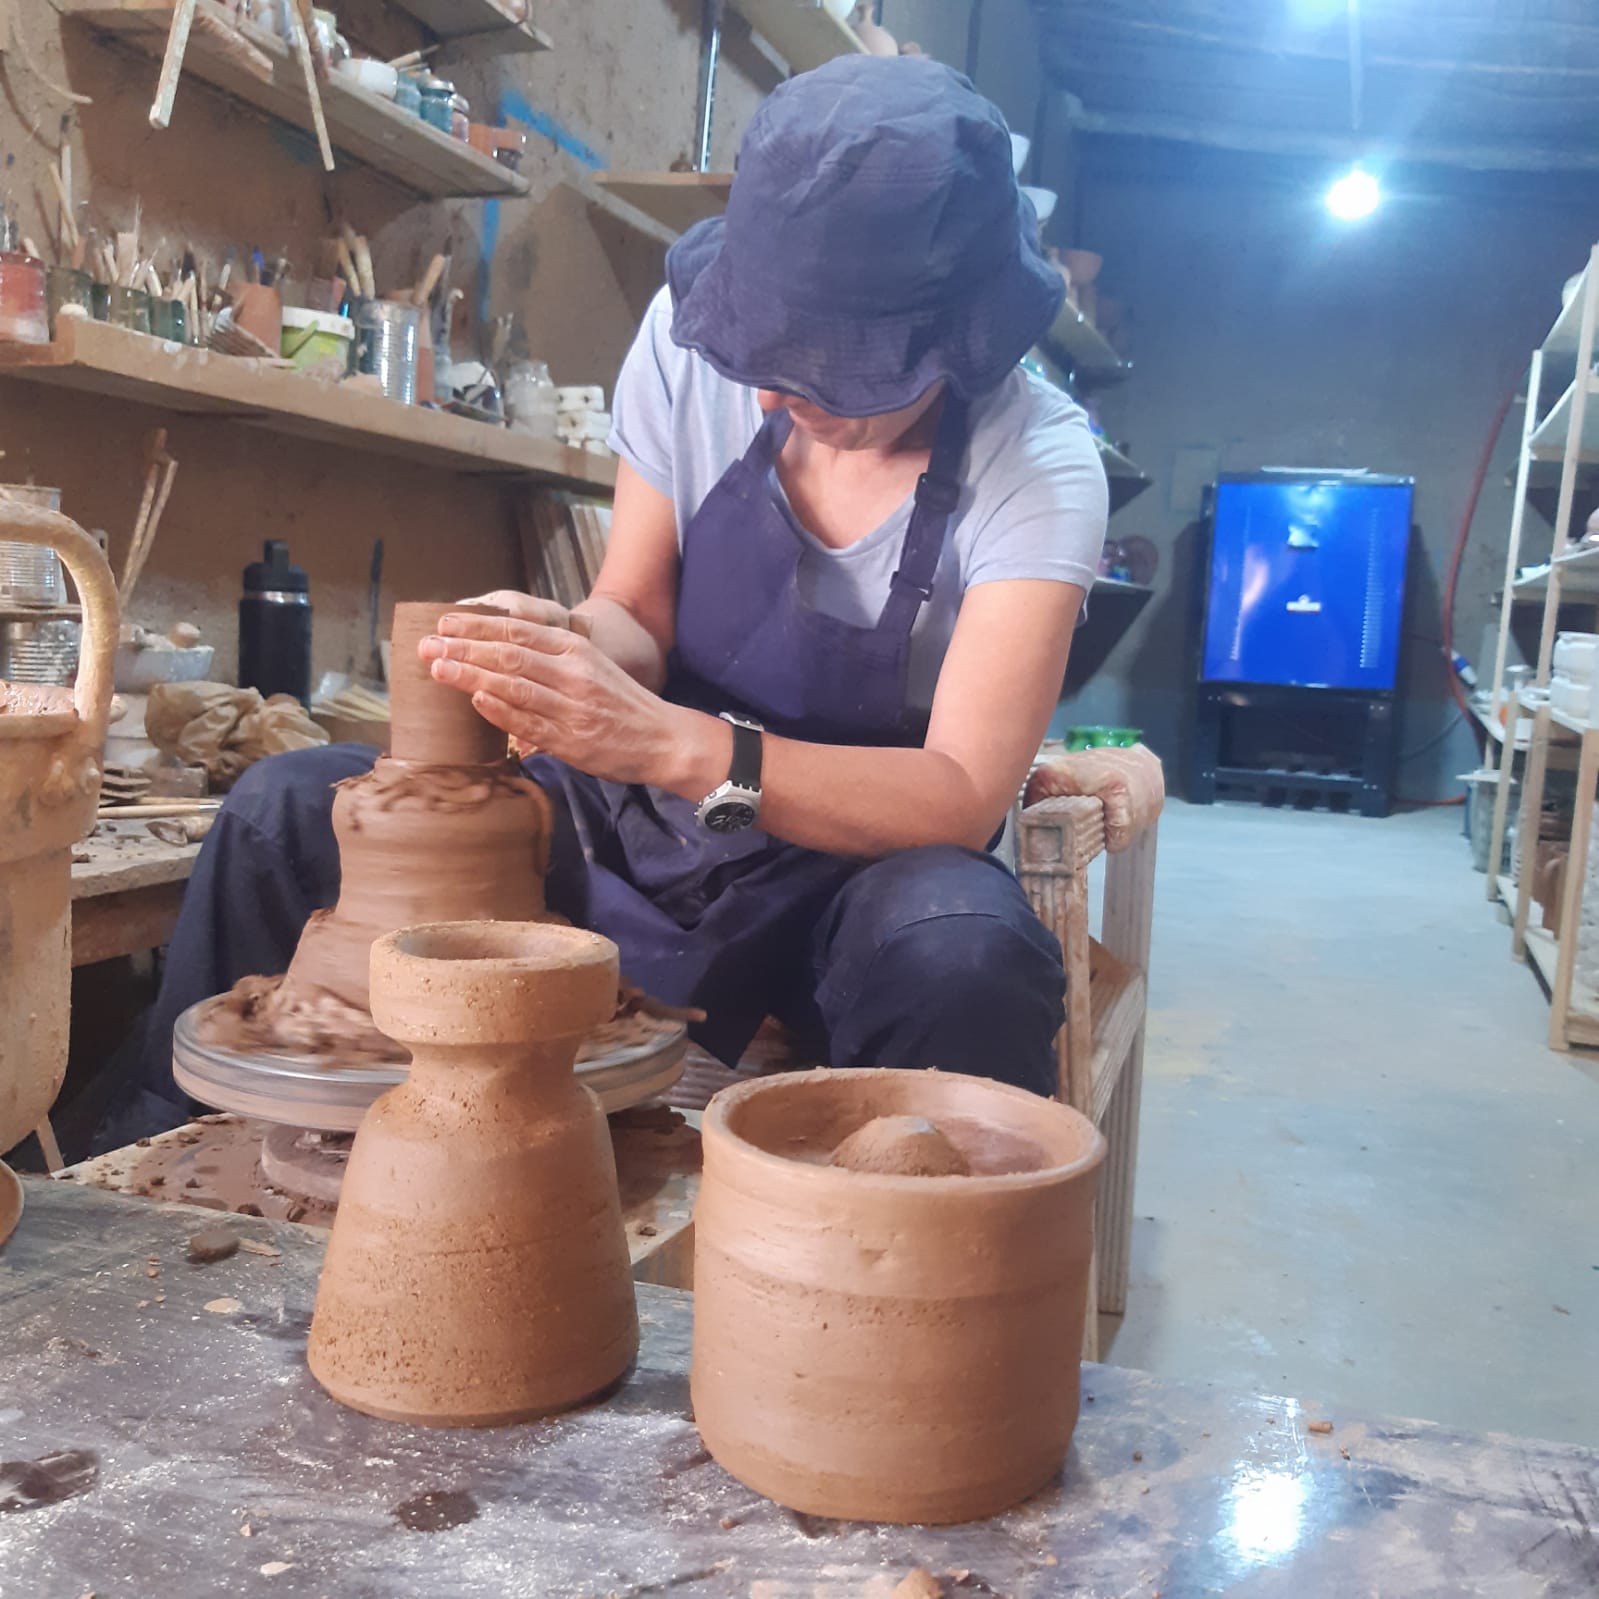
[[769, 440], [938, 491]]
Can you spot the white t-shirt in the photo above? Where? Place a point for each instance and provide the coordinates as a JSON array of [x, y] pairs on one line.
[[1033, 499]]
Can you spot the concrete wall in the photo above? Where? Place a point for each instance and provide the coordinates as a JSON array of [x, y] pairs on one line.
[[1263, 332], [621, 81]]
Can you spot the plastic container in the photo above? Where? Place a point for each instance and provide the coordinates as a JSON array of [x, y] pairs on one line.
[[311, 338], [1574, 655], [530, 399], [386, 337], [376, 77], [460, 118], [24, 318], [169, 319], [275, 626], [407, 96]]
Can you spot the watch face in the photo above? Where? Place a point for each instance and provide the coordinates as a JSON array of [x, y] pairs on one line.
[[730, 816]]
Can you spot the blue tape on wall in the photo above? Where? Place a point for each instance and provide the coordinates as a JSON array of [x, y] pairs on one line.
[[512, 105]]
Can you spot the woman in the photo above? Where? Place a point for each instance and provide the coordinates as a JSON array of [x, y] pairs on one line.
[[850, 542]]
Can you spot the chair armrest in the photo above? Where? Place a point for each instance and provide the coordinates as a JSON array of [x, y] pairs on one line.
[[1129, 783]]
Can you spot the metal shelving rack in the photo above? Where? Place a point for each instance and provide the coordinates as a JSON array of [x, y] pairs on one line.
[[1566, 431]]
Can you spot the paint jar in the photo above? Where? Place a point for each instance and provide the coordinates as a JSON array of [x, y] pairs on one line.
[[23, 315], [317, 339], [460, 118], [169, 319], [130, 308], [386, 337], [407, 96], [530, 399], [100, 301], [31, 574], [436, 109], [69, 289]]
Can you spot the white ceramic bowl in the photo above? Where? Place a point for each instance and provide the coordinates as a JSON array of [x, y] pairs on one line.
[[376, 77], [1044, 202], [1020, 144], [137, 670]]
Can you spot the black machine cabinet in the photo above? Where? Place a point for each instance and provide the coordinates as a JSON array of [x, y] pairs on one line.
[[1302, 587]]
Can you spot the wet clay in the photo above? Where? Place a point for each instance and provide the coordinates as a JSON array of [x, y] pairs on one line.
[[477, 1271], [444, 829], [891, 1345], [908, 1146]]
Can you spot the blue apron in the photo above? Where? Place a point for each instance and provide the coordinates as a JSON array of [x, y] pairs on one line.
[[723, 920]]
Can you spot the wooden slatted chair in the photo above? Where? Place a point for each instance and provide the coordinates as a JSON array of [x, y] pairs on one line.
[[1076, 808]]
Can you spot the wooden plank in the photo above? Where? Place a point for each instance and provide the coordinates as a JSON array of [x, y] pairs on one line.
[[1532, 787], [1560, 990], [677, 200], [804, 32], [1083, 347], [114, 361], [372, 131], [109, 925], [477, 20]]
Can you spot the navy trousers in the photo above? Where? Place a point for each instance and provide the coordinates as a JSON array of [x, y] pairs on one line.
[[930, 957]]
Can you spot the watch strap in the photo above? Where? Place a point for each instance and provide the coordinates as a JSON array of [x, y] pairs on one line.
[[745, 771]]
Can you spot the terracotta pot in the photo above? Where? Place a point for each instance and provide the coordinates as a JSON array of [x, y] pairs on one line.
[[1081, 265], [477, 1271], [51, 741], [890, 1347]]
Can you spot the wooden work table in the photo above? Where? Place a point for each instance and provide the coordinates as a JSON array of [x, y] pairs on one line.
[[156, 1447], [127, 886]]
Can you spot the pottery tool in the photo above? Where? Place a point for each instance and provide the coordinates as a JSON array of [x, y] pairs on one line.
[[412, 58], [157, 808], [160, 469], [423, 292], [302, 48], [172, 62], [319, 54]]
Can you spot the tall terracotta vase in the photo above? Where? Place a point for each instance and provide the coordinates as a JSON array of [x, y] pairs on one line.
[[879, 1344], [51, 740], [478, 1271]]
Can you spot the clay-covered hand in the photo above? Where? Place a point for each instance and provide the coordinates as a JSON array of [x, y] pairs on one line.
[[553, 690], [526, 608]]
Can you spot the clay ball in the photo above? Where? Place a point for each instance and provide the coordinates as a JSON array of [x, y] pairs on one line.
[[900, 1146]]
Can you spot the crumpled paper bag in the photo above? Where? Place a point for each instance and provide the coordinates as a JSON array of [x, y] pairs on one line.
[[226, 729]]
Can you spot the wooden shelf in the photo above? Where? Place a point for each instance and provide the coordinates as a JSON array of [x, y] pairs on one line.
[[1548, 440], [101, 359], [1582, 1019], [476, 20], [1084, 348], [371, 131], [1579, 575], [1125, 479], [804, 32], [677, 200], [1561, 340]]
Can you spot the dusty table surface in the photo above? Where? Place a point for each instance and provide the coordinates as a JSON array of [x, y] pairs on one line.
[[121, 856], [157, 1447]]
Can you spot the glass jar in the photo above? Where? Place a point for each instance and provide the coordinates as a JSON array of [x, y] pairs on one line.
[[436, 109]]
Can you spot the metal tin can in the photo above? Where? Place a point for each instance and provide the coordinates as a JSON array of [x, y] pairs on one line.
[[39, 652], [31, 574], [386, 337]]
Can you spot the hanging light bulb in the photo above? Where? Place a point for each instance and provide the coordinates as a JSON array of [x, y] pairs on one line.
[[1355, 195]]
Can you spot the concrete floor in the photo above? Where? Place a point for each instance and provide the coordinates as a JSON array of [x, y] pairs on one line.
[[1363, 1178]]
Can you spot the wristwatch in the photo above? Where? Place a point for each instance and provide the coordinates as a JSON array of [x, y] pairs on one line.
[[732, 806]]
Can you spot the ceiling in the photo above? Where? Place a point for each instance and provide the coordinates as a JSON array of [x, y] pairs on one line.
[[1509, 84]]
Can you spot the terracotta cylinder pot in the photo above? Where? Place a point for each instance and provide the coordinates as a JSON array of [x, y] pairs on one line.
[[891, 1347], [478, 1271]]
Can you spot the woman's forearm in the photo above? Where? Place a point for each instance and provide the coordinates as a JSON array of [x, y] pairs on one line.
[[843, 799], [620, 635]]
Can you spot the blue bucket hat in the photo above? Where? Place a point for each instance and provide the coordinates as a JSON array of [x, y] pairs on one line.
[[875, 241]]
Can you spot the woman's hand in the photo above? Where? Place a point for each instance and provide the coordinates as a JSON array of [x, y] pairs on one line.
[[553, 690], [529, 608]]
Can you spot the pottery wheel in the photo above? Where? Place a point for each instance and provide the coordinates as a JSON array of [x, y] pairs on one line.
[[314, 1091]]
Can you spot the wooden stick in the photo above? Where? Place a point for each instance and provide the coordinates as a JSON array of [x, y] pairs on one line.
[[170, 471], [430, 280], [113, 813], [302, 48], [47, 1143], [319, 56], [172, 63]]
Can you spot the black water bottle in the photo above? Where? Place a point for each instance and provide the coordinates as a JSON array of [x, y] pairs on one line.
[[275, 626]]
